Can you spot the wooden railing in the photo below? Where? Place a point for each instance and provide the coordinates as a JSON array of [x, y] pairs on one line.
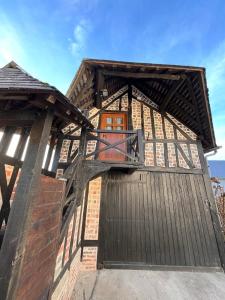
[[132, 142]]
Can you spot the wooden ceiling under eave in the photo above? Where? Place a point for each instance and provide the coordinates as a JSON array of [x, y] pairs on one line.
[[178, 90]]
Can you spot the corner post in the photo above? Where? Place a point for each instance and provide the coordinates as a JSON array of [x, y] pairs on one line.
[[12, 251]]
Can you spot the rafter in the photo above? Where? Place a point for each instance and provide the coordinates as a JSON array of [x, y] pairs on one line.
[[170, 94]]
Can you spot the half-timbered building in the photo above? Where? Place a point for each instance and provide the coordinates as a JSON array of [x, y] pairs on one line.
[[130, 171]]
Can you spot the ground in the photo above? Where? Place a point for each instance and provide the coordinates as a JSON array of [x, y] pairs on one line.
[[150, 285]]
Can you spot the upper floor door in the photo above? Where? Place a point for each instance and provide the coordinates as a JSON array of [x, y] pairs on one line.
[[116, 122]]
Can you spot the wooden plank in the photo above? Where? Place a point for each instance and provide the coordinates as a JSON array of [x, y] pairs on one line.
[[140, 75], [11, 256], [17, 118]]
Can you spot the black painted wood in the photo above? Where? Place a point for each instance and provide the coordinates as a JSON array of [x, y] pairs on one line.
[[155, 218], [12, 248]]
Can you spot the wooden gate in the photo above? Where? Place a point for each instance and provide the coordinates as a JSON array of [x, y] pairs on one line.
[[156, 219]]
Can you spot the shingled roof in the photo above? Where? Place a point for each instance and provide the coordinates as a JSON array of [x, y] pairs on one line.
[[18, 89], [179, 90]]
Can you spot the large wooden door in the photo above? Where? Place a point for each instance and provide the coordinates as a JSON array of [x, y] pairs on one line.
[[116, 122], [156, 219]]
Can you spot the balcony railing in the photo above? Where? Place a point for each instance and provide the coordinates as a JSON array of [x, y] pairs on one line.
[[129, 144]]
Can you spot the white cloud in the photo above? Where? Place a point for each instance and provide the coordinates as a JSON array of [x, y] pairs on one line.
[[79, 40]]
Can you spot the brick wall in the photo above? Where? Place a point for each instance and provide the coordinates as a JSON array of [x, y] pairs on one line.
[[41, 241]]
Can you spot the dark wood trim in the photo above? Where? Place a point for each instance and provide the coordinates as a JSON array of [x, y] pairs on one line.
[[140, 75], [90, 243], [17, 118], [114, 131], [166, 141], [129, 111], [12, 252], [171, 170], [99, 81]]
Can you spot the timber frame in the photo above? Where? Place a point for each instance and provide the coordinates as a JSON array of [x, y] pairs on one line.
[[179, 90], [42, 116]]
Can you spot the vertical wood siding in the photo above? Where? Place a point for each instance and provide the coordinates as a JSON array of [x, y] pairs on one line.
[[157, 219]]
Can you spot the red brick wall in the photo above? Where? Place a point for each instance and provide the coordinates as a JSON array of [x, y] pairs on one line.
[[41, 241]]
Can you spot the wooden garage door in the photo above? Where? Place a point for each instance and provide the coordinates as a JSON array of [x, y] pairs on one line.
[[160, 219]]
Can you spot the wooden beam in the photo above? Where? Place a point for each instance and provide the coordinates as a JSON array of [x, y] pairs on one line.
[[15, 118], [12, 250], [57, 153], [99, 87], [140, 75], [171, 93]]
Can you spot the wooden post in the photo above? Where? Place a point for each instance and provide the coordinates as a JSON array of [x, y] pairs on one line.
[[57, 153], [140, 145], [83, 139], [11, 255]]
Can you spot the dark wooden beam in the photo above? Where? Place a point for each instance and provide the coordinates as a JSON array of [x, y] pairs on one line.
[[140, 75], [99, 86], [170, 94], [12, 250], [130, 123], [15, 118]]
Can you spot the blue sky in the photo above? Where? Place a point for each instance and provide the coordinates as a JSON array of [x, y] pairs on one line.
[[49, 39]]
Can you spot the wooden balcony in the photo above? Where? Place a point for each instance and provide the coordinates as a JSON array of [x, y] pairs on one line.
[[129, 144]]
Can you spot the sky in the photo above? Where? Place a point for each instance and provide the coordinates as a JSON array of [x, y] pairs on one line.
[[50, 38]]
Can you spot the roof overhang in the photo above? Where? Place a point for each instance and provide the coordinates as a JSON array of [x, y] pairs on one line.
[[20, 92], [179, 90]]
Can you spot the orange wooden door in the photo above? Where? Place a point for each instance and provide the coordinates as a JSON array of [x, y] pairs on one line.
[[117, 122]]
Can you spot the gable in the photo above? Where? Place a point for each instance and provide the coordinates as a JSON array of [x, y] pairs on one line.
[[179, 90]]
